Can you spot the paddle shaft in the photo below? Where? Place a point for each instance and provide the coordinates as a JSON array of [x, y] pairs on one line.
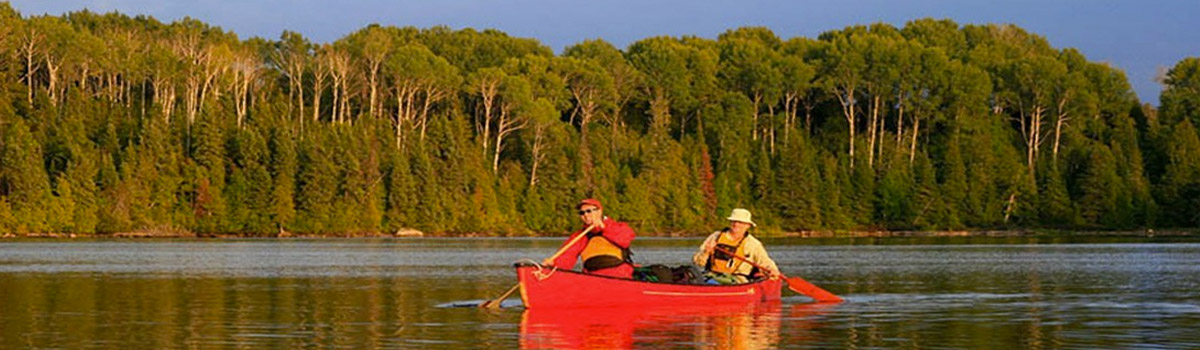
[[572, 242], [495, 303], [502, 296], [796, 284]]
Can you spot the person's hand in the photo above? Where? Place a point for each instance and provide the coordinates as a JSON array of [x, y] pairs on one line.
[[547, 262], [599, 225], [709, 246], [772, 274]]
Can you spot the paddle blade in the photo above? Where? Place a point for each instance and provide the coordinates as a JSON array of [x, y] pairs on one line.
[[491, 304], [495, 303], [799, 285]]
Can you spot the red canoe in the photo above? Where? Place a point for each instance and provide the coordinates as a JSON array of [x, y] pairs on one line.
[[554, 288]]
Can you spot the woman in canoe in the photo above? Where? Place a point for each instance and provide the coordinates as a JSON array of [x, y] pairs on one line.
[[725, 269], [604, 251]]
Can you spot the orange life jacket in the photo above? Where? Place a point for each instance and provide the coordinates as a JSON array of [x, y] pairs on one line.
[[719, 262], [600, 253]]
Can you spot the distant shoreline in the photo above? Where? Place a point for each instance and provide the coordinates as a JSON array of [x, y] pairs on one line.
[[1147, 233]]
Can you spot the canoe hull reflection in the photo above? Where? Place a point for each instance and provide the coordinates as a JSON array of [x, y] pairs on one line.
[[714, 326]]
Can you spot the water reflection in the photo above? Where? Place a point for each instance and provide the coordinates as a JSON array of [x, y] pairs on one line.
[[744, 326], [125, 312], [384, 294]]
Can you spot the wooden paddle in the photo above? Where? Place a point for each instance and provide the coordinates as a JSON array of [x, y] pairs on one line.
[[796, 284], [495, 303]]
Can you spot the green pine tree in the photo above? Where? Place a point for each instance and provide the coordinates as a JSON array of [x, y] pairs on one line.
[[954, 185], [1100, 187], [24, 180], [317, 183], [208, 181], [402, 200], [895, 197], [930, 210], [283, 168], [1054, 204], [81, 178], [362, 182], [249, 190], [797, 187], [1180, 186]]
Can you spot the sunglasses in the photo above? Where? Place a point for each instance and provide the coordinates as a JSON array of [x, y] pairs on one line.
[[588, 211]]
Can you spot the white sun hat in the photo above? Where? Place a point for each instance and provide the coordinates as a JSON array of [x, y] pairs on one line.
[[741, 215]]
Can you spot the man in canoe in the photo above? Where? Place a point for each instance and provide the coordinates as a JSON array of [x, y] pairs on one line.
[[725, 269], [604, 249]]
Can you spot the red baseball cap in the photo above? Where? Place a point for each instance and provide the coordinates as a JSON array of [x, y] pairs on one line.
[[590, 201]]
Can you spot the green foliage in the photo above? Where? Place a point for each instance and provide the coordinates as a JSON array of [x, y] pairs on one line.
[[929, 205], [78, 186], [953, 178], [1180, 185], [732, 151], [1055, 204], [208, 175], [1181, 97], [24, 180], [798, 198], [120, 124], [283, 167], [1101, 189], [249, 190], [400, 204], [317, 181], [360, 204], [896, 196]]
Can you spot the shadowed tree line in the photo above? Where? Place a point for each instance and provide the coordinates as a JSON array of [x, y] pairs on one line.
[[111, 123]]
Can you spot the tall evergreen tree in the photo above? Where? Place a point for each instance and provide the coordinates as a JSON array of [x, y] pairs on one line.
[[283, 167], [248, 193], [1054, 204], [208, 178], [81, 179], [1180, 184], [896, 197], [401, 189], [23, 180], [317, 181], [954, 184], [1181, 98], [797, 198], [930, 209], [1101, 189]]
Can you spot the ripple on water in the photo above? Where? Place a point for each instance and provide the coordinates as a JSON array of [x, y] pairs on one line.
[[424, 293]]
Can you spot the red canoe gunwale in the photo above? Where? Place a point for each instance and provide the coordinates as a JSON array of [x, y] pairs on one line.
[[554, 288]]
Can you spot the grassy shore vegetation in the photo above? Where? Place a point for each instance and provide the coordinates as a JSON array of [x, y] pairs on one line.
[[112, 124]]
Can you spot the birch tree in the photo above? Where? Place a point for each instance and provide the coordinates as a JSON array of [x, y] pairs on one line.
[[514, 95], [749, 66], [626, 79], [419, 80], [290, 57], [486, 83], [1030, 87], [842, 74]]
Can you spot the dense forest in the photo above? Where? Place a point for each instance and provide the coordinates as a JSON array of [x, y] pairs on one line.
[[111, 123]]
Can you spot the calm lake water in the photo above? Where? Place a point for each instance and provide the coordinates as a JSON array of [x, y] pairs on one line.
[[402, 293]]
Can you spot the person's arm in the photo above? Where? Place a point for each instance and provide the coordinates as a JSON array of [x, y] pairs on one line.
[[706, 248], [567, 259], [618, 233], [758, 254]]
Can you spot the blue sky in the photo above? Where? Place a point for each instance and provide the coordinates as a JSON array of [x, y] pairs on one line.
[[1140, 37]]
